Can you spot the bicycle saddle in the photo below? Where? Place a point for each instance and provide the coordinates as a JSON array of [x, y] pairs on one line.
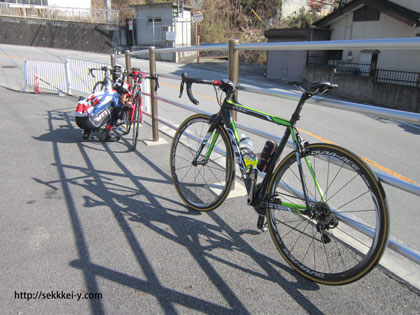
[[314, 87]]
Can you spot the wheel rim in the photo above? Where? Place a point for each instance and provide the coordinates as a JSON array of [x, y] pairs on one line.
[[136, 122], [202, 186], [310, 244]]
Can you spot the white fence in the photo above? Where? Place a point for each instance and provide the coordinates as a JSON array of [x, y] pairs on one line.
[[101, 16], [69, 77]]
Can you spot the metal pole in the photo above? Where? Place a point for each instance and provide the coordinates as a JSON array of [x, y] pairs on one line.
[[198, 41], [68, 81], [152, 70], [233, 73], [132, 32], [233, 66], [128, 65], [112, 60]]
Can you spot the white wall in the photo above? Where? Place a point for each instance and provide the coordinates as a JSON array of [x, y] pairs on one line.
[[149, 34], [183, 30], [83, 4], [386, 27]]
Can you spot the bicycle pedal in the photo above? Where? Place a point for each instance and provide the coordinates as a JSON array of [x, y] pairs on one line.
[[260, 223]]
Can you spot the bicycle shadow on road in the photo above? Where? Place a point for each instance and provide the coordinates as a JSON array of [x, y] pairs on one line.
[[149, 200], [62, 135]]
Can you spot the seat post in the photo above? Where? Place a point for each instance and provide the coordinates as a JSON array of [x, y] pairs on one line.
[[296, 114]]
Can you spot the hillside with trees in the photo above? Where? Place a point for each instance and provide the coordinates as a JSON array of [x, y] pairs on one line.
[[246, 20]]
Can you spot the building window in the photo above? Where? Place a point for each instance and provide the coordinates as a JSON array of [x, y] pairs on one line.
[[366, 14], [154, 20]]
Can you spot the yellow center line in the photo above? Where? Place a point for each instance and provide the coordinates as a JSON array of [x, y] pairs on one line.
[[15, 57], [379, 166], [369, 161]]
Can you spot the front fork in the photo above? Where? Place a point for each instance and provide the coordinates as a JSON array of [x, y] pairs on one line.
[[214, 122]]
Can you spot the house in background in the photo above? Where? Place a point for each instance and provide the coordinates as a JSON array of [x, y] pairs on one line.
[[290, 64], [375, 19], [163, 25], [388, 78]]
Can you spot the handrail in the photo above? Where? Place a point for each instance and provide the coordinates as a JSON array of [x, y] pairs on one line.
[[344, 105], [386, 43], [385, 178]]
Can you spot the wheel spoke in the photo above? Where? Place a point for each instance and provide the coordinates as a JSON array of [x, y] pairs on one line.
[[330, 245]]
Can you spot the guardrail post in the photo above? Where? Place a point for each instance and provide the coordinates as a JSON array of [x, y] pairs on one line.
[[25, 74], [233, 66], [233, 74], [112, 60], [128, 65], [68, 76], [152, 70]]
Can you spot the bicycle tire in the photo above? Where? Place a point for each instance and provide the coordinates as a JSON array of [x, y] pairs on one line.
[[136, 124], [325, 254], [205, 186], [99, 86], [125, 122]]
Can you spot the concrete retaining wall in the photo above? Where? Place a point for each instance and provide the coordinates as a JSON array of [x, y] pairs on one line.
[[56, 34], [366, 90]]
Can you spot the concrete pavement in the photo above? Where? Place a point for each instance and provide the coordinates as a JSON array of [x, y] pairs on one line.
[[96, 221]]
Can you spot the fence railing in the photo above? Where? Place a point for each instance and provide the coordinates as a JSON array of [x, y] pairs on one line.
[[69, 76], [234, 47], [100, 16], [62, 76], [381, 75]]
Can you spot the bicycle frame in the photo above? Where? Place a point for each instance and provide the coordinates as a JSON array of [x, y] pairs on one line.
[[224, 115], [136, 93]]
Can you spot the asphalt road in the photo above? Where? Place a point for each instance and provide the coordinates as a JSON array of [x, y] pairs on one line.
[[80, 217]]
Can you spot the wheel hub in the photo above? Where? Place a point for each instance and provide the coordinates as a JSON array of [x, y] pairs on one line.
[[326, 219]]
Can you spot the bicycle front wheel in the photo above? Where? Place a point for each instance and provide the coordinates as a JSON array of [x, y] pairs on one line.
[[343, 234], [203, 185], [136, 123]]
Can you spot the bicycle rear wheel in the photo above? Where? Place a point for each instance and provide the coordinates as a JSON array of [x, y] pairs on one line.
[[136, 123], [205, 185], [343, 235]]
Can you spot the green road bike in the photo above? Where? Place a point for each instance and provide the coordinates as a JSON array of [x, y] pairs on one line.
[[325, 209]]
